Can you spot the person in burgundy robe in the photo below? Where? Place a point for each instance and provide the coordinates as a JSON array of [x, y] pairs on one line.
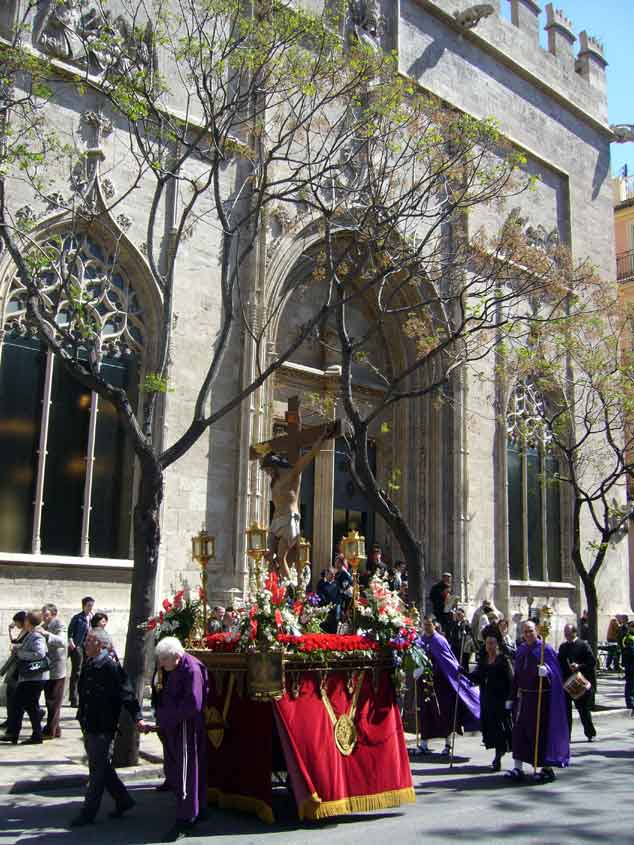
[[180, 705], [554, 742], [437, 706]]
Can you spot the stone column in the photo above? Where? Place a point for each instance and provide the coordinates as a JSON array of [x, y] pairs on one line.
[[321, 553], [525, 16]]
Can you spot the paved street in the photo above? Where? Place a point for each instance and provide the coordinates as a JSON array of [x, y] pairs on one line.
[[590, 802]]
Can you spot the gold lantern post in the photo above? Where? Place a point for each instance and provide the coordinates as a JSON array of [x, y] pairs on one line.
[[354, 552], [303, 560], [256, 548], [203, 550]]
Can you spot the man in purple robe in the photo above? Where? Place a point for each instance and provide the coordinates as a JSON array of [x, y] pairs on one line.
[[553, 741], [437, 706], [180, 705]]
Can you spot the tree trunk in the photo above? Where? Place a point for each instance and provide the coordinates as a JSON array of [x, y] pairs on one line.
[[147, 538], [592, 602]]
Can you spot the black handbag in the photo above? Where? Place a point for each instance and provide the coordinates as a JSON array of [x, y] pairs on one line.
[[30, 667]]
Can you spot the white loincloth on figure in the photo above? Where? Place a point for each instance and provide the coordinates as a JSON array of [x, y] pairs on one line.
[[285, 527]]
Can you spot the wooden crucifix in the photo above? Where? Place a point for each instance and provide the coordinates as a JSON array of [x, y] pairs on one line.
[[282, 459]]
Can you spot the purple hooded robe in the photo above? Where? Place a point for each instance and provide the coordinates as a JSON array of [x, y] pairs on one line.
[[554, 740], [180, 718], [437, 713]]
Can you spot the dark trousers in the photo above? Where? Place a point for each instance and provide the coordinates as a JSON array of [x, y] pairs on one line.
[[629, 686], [76, 660], [583, 706], [27, 699], [613, 660], [102, 775], [53, 693], [12, 688]]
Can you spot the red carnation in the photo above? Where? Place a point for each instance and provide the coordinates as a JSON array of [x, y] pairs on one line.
[[278, 619], [167, 605]]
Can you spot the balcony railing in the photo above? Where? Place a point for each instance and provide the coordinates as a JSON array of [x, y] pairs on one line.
[[625, 266]]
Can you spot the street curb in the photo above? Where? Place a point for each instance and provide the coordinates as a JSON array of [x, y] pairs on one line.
[[51, 782]]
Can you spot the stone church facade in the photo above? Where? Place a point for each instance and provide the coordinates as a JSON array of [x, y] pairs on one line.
[[465, 485]]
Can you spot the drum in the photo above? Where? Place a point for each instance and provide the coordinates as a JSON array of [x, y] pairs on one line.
[[577, 686]]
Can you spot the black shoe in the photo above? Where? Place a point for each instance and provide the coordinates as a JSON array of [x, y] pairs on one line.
[[120, 809], [203, 816], [9, 738], [5, 724], [32, 740], [81, 821], [496, 765], [73, 703], [181, 830], [545, 776]]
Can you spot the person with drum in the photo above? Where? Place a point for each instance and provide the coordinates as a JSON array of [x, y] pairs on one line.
[[578, 670]]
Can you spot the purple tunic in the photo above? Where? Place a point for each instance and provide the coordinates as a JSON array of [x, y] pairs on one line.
[[554, 741], [181, 720], [437, 712]]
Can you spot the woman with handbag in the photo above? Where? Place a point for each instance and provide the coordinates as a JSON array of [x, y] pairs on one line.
[[33, 673], [9, 669]]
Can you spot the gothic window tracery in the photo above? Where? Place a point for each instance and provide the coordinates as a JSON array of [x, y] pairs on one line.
[[534, 506], [66, 486]]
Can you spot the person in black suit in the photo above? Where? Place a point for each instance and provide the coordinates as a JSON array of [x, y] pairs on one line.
[[575, 655]]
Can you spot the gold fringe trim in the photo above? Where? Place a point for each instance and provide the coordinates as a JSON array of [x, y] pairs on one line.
[[314, 808], [228, 801]]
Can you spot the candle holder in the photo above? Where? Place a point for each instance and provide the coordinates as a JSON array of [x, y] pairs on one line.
[[354, 552], [256, 549], [203, 550], [303, 561]]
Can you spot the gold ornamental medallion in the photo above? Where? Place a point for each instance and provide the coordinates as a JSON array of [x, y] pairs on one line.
[[213, 721], [345, 735]]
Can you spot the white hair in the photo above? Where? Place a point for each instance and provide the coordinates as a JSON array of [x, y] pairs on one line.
[[103, 637], [169, 647]]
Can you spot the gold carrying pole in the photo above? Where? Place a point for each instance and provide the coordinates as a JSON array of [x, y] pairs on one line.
[[455, 709], [543, 629]]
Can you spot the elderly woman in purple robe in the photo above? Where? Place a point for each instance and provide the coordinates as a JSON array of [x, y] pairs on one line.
[[180, 705], [453, 697], [553, 740]]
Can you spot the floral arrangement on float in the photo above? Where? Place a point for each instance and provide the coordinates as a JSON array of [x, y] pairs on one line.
[[275, 620], [180, 617]]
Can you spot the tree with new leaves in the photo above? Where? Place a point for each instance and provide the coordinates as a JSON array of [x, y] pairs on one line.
[[583, 367], [212, 97]]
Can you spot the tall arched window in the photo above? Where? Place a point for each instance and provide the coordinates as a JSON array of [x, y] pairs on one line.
[[66, 478], [534, 507]]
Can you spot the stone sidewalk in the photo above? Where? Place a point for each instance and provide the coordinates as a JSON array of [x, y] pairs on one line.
[[60, 763]]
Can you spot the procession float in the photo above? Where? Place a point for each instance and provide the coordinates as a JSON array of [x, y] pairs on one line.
[[287, 700], [291, 703]]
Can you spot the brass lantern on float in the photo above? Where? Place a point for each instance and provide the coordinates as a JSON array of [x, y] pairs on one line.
[[354, 552], [257, 548], [203, 550], [353, 548], [303, 560]]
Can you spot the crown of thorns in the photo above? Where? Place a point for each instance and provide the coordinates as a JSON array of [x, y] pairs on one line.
[[275, 462]]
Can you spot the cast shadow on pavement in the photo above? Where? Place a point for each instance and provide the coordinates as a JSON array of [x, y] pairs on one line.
[[149, 820]]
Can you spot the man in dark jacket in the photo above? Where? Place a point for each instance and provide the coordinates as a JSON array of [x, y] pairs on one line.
[[575, 655], [438, 596], [77, 629], [103, 690]]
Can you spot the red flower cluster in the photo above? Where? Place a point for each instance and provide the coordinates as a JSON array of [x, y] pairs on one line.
[[278, 594], [222, 642], [308, 643]]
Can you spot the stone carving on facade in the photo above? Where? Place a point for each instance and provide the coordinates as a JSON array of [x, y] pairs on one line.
[[540, 237], [98, 122], [25, 216], [525, 418], [624, 132], [471, 17], [124, 222], [367, 24], [90, 37], [108, 188]]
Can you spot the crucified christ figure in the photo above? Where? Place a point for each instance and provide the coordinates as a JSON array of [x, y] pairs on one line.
[[286, 479]]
